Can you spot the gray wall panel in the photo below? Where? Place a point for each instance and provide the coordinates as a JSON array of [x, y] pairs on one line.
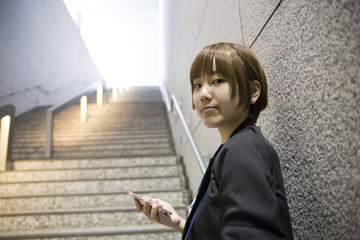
[[40, 44]]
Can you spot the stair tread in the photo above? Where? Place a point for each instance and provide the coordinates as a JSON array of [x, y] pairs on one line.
[[76, 220], [91, 162], [88, 231], [89, 194], [48, 175], [35, 203], [84, 186], [78, 211]]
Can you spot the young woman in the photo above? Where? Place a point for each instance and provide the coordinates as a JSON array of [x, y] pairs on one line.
[[242, 194]]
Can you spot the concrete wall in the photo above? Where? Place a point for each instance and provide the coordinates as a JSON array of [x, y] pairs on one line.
[[40, 45], [310, 53]]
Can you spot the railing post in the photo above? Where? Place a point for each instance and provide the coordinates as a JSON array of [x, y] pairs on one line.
[[115, 92], [83, 108], [49, 133], [4, 141], [7, 114], [99, 95]]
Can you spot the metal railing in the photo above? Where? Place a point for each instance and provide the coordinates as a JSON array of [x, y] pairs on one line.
[[169, 104], [51, 112]]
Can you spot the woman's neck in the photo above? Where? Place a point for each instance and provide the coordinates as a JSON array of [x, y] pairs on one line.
[[226, 130]]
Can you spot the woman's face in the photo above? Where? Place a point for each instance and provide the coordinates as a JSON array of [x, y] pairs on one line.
[[212, 100]]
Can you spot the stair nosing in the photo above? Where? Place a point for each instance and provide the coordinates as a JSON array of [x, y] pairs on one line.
[[92, 194], [77, 211], [116, 230], [92, 180], [92, 168]]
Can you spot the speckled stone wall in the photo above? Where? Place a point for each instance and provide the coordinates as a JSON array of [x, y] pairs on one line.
[[310, 53], [313, 117]]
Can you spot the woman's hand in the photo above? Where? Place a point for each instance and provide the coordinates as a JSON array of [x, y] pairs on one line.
[[154, 210]]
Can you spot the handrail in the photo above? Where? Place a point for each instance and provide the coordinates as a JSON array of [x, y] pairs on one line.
[[51, 112], [20, 89], [183, 121]]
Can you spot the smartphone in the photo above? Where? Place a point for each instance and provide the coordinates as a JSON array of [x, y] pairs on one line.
[[133, 195]]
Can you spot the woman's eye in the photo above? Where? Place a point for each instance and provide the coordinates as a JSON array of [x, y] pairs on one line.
[[197, 85], [218, 81]]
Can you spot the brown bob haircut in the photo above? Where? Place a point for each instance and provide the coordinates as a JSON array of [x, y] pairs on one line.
[[239, 66]]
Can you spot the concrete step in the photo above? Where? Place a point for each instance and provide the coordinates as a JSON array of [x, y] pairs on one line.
[[91, 186], [125, 129], [119, 134], [44, 164], [94, 141], [105, 147], [75, 128], [34, 126], [96, 137], [79, 146], [89, 174], [76, 219], [142, 116], [98, 131], [136, 232], [37, 203], [119, 110], [100, 154], [116, 120], [150, 138], [112, 153]]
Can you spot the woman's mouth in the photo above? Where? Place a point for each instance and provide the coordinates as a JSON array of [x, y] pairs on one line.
[[208, 109]]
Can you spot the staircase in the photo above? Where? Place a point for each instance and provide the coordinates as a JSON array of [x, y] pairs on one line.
[[81, 192]]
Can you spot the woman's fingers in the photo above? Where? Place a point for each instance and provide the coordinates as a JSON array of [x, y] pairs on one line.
[[147, 207], [138, 205], [153, 209], [154, 215], [162, 216]]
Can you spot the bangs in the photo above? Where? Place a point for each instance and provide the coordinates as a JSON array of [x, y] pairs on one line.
[[225, 58], [203, 64]]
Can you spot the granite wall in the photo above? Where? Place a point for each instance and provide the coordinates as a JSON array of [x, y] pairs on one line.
[[310, 53], [42, 56]]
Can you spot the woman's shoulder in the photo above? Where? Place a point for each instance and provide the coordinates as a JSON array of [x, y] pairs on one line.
[[250, 136], [248, 144]]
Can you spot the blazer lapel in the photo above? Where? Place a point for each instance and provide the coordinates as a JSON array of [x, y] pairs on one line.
[[201, 192], [199, 196]]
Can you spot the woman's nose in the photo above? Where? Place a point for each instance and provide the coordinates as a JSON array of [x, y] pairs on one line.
[[205, 92]]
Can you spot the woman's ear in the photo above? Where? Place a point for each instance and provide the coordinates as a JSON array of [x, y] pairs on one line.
[[255, 91]]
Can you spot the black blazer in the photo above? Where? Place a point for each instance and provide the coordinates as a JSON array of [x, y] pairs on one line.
[[242, 194]]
